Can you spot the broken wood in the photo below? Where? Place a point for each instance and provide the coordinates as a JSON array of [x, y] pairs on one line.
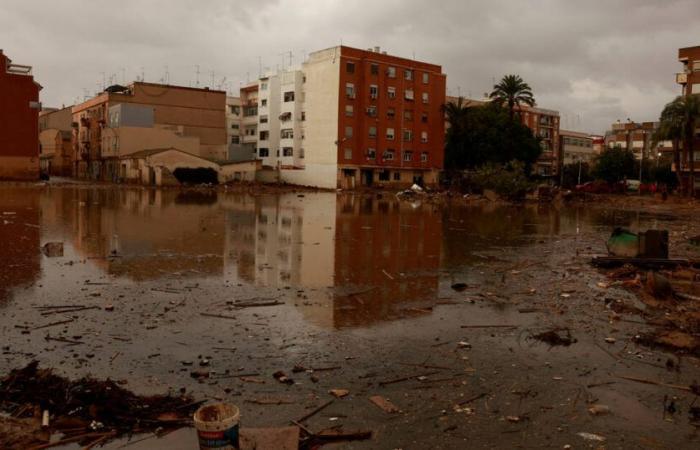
[[266, 401], [656, 383], [384, 404], [489, 326], [256, 304], [398, 380], [315, 411], [218, 316], [53, 324]]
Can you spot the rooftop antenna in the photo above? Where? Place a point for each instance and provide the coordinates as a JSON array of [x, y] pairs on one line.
[[143, 74], [196, 82], [123, 75], [167, 75], [104, 81], [212, 79]]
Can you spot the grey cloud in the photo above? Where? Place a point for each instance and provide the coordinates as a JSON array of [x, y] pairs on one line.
[[596, 60]]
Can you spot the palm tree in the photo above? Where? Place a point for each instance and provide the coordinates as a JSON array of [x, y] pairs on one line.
[[671, 129], [455, 111], [680, 118], [511, 91]]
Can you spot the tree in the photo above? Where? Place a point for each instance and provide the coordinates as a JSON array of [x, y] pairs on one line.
[[478, 135], [510, 92], [671, 128], [614, 164]]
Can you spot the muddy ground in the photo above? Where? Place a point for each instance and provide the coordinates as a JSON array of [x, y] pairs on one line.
[[358, 295]]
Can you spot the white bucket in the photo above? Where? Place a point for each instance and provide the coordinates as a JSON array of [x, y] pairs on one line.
[[218, 427]]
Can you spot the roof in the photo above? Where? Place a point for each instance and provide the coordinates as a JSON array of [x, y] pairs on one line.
[[154, 151], [228, 163]]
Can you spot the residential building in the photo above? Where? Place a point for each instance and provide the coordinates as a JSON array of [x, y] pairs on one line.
[[234, 116], [639, 138], [249, 121], [598, 144], [147, 116], [19, 125], [575, 147], [348, 117], [689, 79], [55, 147]]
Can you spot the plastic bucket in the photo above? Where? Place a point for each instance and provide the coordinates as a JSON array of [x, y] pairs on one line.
[[218, 426]]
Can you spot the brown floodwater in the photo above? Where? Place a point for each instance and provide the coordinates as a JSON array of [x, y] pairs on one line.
[[359, 284]]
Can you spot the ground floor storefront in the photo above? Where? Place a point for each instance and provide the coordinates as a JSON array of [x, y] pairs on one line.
[[352, 177]]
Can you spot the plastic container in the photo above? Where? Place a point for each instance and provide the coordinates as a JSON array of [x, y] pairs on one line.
[[218, 427]]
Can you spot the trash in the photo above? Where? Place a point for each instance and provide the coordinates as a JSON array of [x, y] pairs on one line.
[[416, 188], [463, 344], [53, 249], [624, 243], [658, 285], [199, 374], [513, 419], [218, 426], [599, 410], [591, 437], [553, 338], [283, 438], [649, 244], [282, 377], [339, 393], [459, 287], [384, 404], [610, 340]]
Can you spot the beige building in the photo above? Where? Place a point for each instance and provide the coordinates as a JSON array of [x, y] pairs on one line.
[[186, 112], [575, 146], [55, 149]]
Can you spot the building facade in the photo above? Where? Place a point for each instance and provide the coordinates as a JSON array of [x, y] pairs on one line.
[[162, 114], [55, 147], [639, 138], [575, 147], [19, 124], [544, 124], [689, 80], [249, 120]]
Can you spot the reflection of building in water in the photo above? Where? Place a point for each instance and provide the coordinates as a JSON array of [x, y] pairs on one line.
[[146, 234], [282, 240], [20, 260], [387, 257]]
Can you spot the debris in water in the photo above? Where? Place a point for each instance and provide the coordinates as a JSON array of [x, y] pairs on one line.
[[553, 338]]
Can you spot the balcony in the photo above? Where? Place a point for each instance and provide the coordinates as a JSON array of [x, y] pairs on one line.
[[681, 78]]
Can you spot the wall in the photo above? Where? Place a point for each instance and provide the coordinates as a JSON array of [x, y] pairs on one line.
[[134, 139], [19, 125], [241, 171]]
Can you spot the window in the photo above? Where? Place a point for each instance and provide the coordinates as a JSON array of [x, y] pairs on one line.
[[285, 116], [390, 113], [348, 131], [424, 96], [349, 110], [264, 135], [424, 157], [426, 77], [303, 116], [250, 111], [287, 151], [301, 153], [263, 102], [408, 94], [350, 67], [263, 86], [388, 155], [408, 114], [350, 90], [390, 134], [408, 74], [408, 156], [235, 126], [250, 131], [424, 117], [424, 137], [384, 175], [373, 132], [391, 92], [373, 91], [263, 152], [696, 68], [391, 72], [235, 139], [289, 96], [234, 109], [287, 133], [397, 176], [374, 69], [263, 119], [372, 111], [348, 153], [407, 135], [371, 153]]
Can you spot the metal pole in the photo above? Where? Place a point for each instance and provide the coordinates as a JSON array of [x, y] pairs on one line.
[[579, 171]]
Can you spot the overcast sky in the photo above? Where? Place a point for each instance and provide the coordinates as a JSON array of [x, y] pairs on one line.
[[595, 61]]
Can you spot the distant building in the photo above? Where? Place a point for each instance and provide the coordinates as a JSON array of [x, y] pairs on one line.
[[234, 116], [126, 119], [249, 121], [55, 146], [575, 147], [19, 125], [639, 138]]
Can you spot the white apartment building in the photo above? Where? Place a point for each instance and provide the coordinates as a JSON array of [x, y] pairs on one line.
[[249, 121]]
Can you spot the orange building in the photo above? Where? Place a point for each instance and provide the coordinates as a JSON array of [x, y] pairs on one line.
[[390, 121], [689, 79], [19, 126]]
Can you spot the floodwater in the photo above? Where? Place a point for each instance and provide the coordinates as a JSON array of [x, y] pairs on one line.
[[357, 281]]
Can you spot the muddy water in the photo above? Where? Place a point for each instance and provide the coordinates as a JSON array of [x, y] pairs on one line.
[[363, 286]]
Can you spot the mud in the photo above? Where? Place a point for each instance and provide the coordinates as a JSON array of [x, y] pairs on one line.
[[357, 291]]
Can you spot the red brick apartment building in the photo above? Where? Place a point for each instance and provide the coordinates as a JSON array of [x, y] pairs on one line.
[[390, 122], [19, 125], [689, 79]]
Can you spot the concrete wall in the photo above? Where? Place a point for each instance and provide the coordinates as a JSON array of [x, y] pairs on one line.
[[61, 119], [241, 171], [127, 115], [123, 141]]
